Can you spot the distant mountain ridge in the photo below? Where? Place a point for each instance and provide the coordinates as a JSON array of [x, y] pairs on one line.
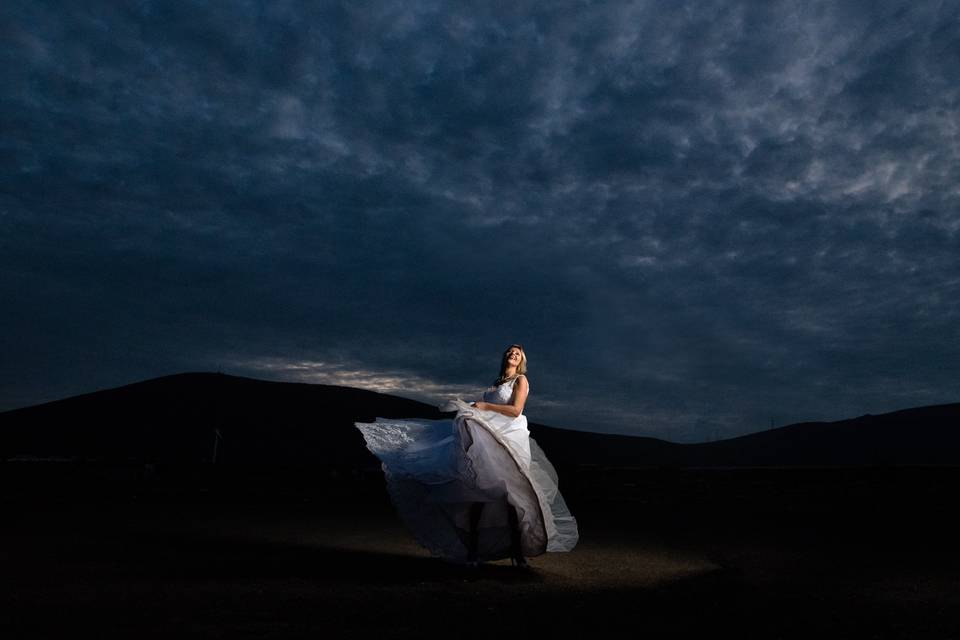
[[176, 418]]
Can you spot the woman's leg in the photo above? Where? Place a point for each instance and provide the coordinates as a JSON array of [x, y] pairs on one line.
[[517, 549], [474, 541]]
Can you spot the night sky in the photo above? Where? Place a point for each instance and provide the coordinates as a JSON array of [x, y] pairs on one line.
[[697, 217]]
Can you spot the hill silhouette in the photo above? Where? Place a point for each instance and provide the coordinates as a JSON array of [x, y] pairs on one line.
[[172, 419]]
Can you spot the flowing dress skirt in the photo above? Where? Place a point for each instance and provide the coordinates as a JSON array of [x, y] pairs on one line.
[[436, 469]]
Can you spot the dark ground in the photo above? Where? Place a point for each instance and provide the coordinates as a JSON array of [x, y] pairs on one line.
[[762, 553]]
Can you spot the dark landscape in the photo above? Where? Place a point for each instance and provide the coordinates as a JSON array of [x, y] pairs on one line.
[[667, 226], [118, 523]]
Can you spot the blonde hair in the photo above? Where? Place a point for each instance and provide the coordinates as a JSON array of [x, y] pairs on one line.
[[521, 367]]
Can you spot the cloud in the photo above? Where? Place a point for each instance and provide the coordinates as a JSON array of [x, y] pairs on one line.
[[695, 217]]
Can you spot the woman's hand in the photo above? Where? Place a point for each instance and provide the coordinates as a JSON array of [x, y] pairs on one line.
[[479, 404]]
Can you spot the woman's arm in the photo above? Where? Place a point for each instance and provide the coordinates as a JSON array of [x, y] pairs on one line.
[[517, 400]]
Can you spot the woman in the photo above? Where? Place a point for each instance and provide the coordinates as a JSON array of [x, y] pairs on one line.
[[476, 487]]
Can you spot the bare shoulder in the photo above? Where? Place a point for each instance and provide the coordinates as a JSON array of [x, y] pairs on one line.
[[520, 390]]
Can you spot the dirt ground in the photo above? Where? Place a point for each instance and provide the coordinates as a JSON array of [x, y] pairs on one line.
[[343, 566]]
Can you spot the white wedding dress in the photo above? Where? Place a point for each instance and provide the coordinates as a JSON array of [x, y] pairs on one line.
[[436, 469]]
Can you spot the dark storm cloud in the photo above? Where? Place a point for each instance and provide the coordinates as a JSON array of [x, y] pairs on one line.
[[696, 217]]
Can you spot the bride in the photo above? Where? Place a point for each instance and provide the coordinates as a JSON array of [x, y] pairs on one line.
[[476, 487]]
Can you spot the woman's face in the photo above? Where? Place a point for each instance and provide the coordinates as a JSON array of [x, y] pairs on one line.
[[513, 356]]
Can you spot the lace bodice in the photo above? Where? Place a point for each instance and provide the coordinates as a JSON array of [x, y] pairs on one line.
[[500, 394]]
